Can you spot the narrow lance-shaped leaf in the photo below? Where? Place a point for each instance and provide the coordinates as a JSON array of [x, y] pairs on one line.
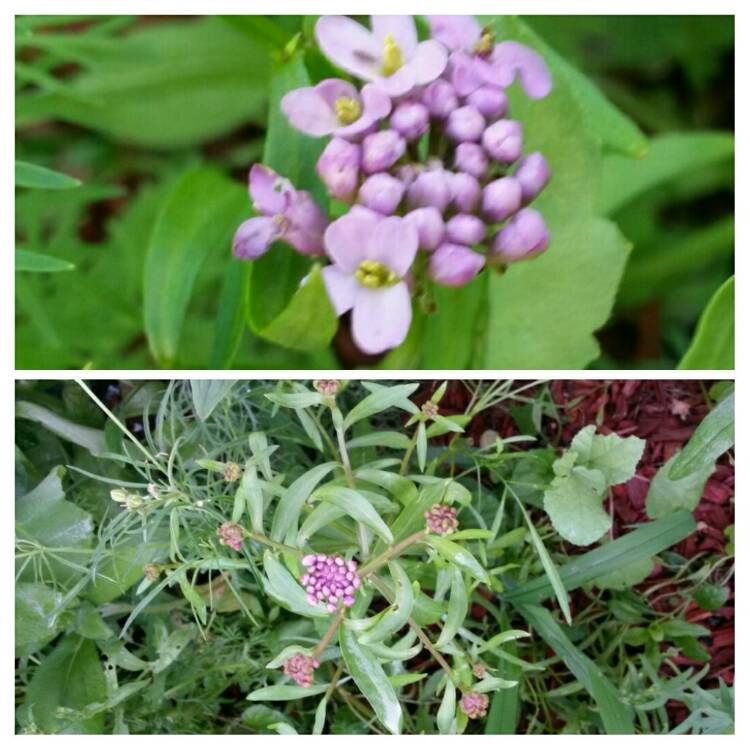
[[357, 506], [282, 586], [399, 612], [458, 606], [446, 714], [459, 556]]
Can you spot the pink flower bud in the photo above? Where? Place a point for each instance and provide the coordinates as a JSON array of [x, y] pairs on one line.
[[430, 227], [430, 188], [466, 192], [382, 150], [300, 668], [503, 140], [490, 101], [454, 265], [474, 705], [471, 158], [465, 124], [381, 192], [440, 98], [533, 174], [523, 237], [411, 119], [501, 198], [231, 535], [338, 167], [441, 519], [465, 229]]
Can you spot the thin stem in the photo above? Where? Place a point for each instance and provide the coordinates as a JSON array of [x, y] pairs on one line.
[[263, 539], [328, 637], [390, 553], [407, 455]]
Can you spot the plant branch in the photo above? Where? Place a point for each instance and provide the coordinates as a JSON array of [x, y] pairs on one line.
[[390, 553]]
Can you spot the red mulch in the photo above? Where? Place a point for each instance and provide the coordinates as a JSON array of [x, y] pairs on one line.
[[665, 413]]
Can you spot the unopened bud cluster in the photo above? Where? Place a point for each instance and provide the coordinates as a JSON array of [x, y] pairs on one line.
[[231, 535], [330, 580], [475, 705], [441, 519], [301, 668]]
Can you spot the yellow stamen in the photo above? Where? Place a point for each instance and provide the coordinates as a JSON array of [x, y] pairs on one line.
[[392, 57], [485, 44], [348, 110], [374, 275]]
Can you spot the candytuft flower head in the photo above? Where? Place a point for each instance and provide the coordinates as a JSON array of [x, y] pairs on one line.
[[330, 580], [474, 705], [232, 471], [300, 668], [441, 519], [327, 387], [231, 535], [390, 55], [371, 256]]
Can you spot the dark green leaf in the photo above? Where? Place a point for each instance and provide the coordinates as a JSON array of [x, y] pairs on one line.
[[712, 347]]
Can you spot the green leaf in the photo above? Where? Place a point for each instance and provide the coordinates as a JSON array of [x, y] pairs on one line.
[[286, 692], [398, 614], [294, 497], [458, 607], [198, 218], [379, 401], [230, 316], [421, 445], [70, 677], [208, 394], [371, 680], [666, 495], [142, 88], [446, 714], [35, 626], [40, 263], [460, 557], [34, 176], [87, 437], [626, 577], [615, 457], [357, 506], [708, 596], [380, 439], [712, 347], [574, 505], [713, 437], [300, 400], [284, 588], [616, 716]]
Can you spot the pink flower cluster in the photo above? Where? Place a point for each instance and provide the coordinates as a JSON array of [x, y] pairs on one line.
[[330, 580], [441, 519], [231, 535], [427, 158], [474, 705], [300, 668]]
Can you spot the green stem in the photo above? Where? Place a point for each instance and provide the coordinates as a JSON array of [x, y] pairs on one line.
[[407, 455], [263, 539], [390, 553], [328, 637]]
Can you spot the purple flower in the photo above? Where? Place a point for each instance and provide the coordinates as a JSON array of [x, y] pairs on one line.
[[503, 140], [440, 98], [430, 188], [231, 535], [335, 107], [465, 124], [474, 705], [428, 222], [287, 214], [382, 193], [338, 167], [327, 387], [471, 158], [371, 256], [465, 191], [441, 519], [465, 229], [523, 237], [501, 198], [490, 101], [330, 580], [454, 265], [390, 55], [455, 32], [511, 60], [533, 174], [300, 668], [382, 150], [411, 119]]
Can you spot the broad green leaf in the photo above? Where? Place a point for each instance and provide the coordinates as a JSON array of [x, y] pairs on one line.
[[616, 716], [458, 607], [300, 400], [490, 684], [380, 439], [713, 437], [320, 716], [70, 677], [357, 506], [35, 626], [252, 492], [286, 692], [294, 497], [371, 680], [208, 394], [198, 218], [35, 176], [709, 596], [379, 401], [142, 88], [615, 457], [712, 347], [26, 260], [446, 715], [170, 647], [87, 437], [666, 495], [574, 505], [230, 316], [401, 488], [627, 576], [456, 554], [504, 709], [398, 614], [284, 588]]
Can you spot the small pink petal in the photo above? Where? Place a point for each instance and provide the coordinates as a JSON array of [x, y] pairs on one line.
[[346, 239], [349, 45], [455, 32], [514, 59], [429, 61], [394, 243], [402, 28], [341, 287], [309, 112], [254, 236], [380, 321], [270, 193]]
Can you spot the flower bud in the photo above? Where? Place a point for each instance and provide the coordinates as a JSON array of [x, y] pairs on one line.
[[475, 705], [465, 229], [382, 150], [430, 188], [471, 158], [128, 500], [524, 236], [465, 192], [503, 140], [306, 224], [465, 124], [440, 98], [407, 173], [501, 198], [454, 265], [232, 471], [490, 101], [300, 668], [533, 174], [441, 519], [231, 535], [254, 236], [151, 572], [411, 119], [327, 387], [382, 193], [338, 167], [428, 222]]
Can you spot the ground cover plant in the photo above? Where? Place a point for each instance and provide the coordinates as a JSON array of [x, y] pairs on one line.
[[344, 557], [451, 192]]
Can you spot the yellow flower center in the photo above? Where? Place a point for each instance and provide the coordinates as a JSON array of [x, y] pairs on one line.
[[392, 57], [348, 110], [374, 275], [485, 44]]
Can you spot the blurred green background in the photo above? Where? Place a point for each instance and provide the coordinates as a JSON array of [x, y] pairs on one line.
[[126, 104]]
